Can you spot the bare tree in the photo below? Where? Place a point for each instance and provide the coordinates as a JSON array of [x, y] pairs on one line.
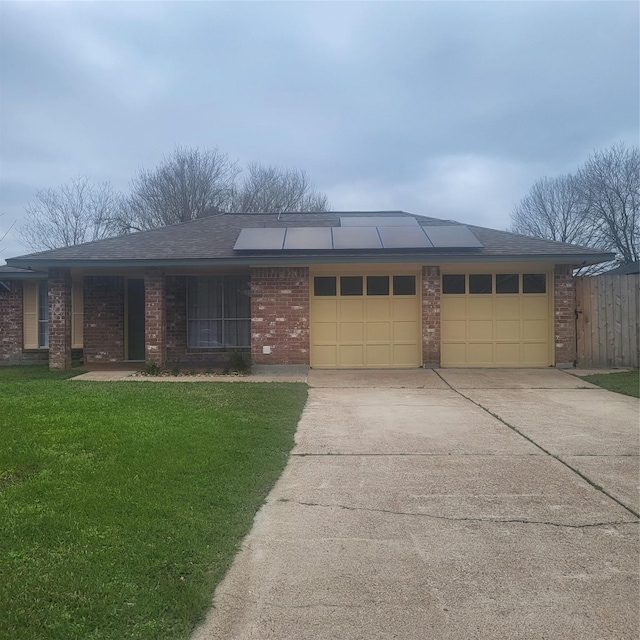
[[270, 189], [187, 185], [5, 233], [73, 213], [609, 182], [554, 209], [598, 206]]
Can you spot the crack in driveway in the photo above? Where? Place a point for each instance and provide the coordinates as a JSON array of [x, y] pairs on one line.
[[434, 516], [539, 446]]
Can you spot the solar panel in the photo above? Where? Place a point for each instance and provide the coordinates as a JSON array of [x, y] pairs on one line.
[[379, 221], [452, 236], [308, 238], [260, 239], [403, 238], [356, 238]]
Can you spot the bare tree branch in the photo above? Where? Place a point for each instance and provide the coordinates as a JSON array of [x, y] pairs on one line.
[[270, 189], [74, 213], [187, 185], [597, 207], [610, 185]]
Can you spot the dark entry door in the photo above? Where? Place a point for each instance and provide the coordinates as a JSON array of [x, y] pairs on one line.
[[135, 319]]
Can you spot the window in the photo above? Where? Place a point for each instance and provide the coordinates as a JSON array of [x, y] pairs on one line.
[[507, 283], [534, 283], [218, 312], [453, 284], [351, 286], [43, 315], [377, 285], [404, 285], [324, 286], [480, 283]]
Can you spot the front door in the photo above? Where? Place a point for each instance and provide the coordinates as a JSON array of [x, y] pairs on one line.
[[135, 319]]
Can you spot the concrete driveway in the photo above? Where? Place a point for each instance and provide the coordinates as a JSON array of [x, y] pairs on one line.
[[446, 504]]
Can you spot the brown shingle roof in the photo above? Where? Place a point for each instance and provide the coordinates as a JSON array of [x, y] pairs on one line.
[[211, 239]]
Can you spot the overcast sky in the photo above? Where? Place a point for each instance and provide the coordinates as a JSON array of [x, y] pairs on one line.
[[447, 109]]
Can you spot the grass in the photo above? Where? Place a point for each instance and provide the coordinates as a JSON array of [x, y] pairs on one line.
[[123, 504], [627, 382]]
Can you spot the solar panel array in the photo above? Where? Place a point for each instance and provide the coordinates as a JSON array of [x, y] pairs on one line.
[[357, 237]]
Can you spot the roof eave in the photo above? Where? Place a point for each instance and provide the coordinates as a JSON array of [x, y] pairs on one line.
[[586, 259]]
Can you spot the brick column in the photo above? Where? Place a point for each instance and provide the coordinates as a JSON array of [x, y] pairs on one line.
[[431, 316], [11, 323], [564, 316], [59, 319], [154, 317], [280, 315]]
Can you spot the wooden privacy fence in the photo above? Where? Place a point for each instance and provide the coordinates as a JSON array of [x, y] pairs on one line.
[[608, 318]]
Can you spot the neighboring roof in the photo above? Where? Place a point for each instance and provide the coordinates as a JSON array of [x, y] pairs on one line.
[[15, 273], [624, 270], [210, 240]]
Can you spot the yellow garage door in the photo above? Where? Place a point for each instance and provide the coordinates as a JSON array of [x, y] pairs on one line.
[[365, 321], [496, 320]]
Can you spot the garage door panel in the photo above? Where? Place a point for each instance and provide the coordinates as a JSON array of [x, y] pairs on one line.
[[508, 308], [454, 354], [480, 353], [378, 332], [326, 332], [454, 308], [379, 308], [351, 310], [378, 355], [454, 330], [351, 355], [535, 306], [325, 309], [508, 354], [535, 330], [480, 329], [325, 355], [406, 332], [351, 332], [507, 330], [405, 308], [405, 355], [480, 307], [535, 354]]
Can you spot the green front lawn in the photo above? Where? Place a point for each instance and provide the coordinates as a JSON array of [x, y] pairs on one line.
[[627, 382], [122, 504]]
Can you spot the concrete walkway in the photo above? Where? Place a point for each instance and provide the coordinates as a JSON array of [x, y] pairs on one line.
[[445, 504]]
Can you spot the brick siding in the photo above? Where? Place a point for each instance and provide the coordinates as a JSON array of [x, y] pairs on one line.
[[59, 319], [154, 317], [11, 331], [564, 319], [103, 319], [431, 316], [280, 315]]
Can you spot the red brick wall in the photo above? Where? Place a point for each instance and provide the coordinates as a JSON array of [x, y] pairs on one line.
[[59, 319], [564, 320], [154, 317], [103, 319], [11, 323], [176, 318], [431, 316], [280, 315]]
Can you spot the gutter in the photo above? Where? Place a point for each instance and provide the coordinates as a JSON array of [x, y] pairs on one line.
[[262, 260]]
